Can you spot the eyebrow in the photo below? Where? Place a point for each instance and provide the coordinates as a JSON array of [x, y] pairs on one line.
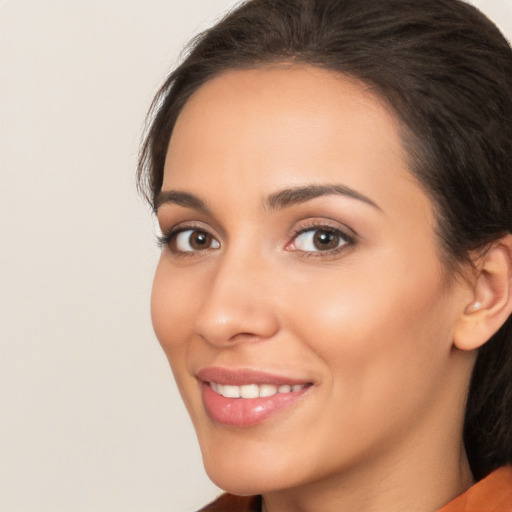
[[276, 201], [297, 195], [181, 199]]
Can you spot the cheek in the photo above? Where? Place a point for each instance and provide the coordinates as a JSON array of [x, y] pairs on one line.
[[377, 325], [173, 306], [384, 347], [173, 310]]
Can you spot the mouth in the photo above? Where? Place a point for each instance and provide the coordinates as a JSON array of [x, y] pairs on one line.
[[245, 398]]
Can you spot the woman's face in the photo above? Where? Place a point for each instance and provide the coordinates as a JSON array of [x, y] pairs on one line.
[[300, 269]]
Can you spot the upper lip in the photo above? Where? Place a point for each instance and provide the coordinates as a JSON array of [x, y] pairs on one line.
[[241, 376]]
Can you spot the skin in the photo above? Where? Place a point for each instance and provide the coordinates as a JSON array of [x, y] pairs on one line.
[[370, 324]]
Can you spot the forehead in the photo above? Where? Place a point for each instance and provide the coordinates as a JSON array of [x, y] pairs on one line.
[[284, 126]]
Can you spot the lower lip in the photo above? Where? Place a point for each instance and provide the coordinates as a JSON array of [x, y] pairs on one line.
[[246, 412]]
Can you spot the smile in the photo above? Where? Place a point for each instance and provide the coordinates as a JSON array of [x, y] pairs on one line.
[[251, 391], [244, 398]]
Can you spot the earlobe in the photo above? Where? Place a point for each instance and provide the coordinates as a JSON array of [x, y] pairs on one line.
[[491, 301]]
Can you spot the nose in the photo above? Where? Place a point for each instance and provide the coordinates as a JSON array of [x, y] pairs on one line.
[[237, 306]]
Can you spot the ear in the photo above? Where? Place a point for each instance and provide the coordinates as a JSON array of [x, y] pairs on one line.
[[491, 298]]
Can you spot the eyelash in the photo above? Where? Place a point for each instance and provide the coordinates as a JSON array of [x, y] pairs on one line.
[[167, 238], [328, 228]]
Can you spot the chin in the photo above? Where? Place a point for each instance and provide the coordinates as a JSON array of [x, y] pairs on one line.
[[244, 481], [244, 473]]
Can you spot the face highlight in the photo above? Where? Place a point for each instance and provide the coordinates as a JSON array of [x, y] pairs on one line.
[[300, 297]]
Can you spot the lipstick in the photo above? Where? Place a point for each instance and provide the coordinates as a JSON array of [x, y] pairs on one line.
[[244, 398]]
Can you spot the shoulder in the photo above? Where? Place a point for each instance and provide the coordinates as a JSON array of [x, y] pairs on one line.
[[492, 494], [231, 503]]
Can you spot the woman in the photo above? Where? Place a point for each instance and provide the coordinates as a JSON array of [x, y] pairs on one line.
[[332, 180]]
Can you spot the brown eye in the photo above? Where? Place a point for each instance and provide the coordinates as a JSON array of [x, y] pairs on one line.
[[191, 240], [320, 240], [325, 240]]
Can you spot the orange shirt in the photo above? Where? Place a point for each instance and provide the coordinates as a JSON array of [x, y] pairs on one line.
[[492, 494], [230, 503]]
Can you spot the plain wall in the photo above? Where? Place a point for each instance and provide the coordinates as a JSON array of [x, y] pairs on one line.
[[90, 419]]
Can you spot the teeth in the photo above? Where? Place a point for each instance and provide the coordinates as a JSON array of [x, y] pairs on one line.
[[249, 391], [268, 390], [253, 390], [231, 391]]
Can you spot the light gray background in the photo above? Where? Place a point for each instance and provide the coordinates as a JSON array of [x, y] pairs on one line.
[[89, 416]]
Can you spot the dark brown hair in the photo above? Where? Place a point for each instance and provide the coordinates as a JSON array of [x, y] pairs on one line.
[[447, 72]]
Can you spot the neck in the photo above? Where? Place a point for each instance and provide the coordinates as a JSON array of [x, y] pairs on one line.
[[394, 488]]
